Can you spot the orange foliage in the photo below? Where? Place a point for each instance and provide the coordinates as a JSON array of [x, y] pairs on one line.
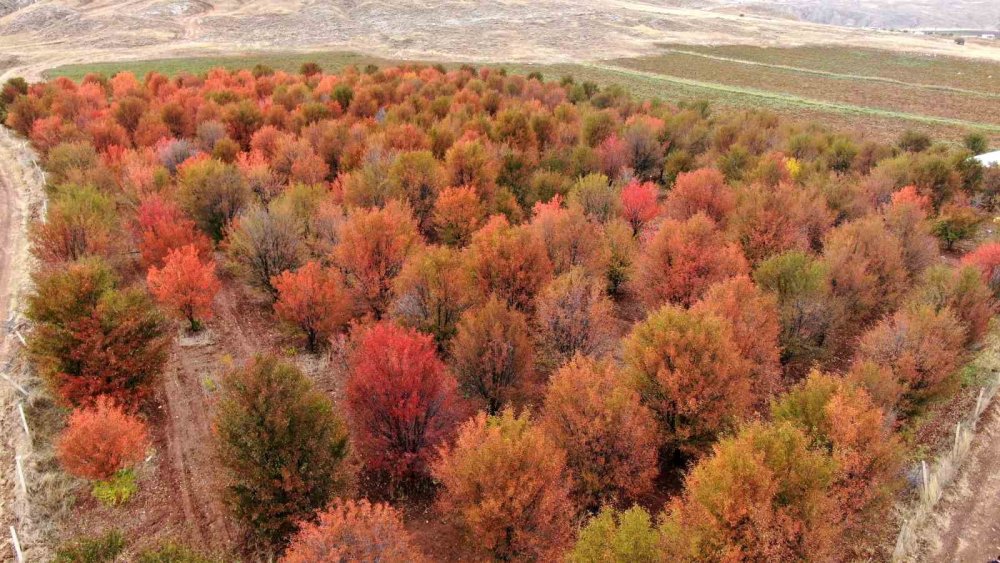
[[609, 437], [314, 299], [353, 531], [101, 440], [510, 262], [185, 284], [702, 191], [683, 259], [506, 486]]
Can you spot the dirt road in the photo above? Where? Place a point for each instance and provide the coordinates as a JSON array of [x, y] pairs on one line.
[[20, 190], [966, 525]]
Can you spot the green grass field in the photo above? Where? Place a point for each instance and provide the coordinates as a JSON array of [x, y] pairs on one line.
[[875, 93]]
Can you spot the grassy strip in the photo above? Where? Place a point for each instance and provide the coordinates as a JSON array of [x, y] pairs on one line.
[[789, 100], [838, 75]]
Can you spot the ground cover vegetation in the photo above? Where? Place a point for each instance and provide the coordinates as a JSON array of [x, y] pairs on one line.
[[575, 324]]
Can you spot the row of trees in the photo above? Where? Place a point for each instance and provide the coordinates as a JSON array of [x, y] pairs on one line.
[[548, 294]]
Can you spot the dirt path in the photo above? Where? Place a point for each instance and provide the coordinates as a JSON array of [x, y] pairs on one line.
[[20, 189], [966, 526]]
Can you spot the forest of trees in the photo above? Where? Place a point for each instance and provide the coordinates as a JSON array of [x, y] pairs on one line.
[[578, 325]]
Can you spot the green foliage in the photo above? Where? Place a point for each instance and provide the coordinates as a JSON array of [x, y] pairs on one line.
[[618, 537], [98, 549], [283, 445], [171, 552], [117, 490], [977, 143]]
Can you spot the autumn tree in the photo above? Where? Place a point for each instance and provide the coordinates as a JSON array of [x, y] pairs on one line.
[[763, 495], [91, 339], [769, 220], [688, 370], [610, 536], [802, 288], [212, 193], [841, 419], [906, 218], [353, 531], [609, 437], [683, 259], [456, 215], [101, 440], [573, 314], [432, 291], [314, 299], [262, 243], [401, 398], [161, 227], [493, 357], [373, 245], [986, 258], [963, 291], [569, 237], [756, 325], [282, 444], [702, 191], [80, 222], [922, 347], [508, 261], [639, 204], [185, 284], [506, 487]]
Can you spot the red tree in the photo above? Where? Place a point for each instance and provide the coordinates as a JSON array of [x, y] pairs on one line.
[[402, 399], [509, 261], [101, 440], [314, 299], [987, 259], [162, 227], [638, 204], [373, 245], [185, 284]]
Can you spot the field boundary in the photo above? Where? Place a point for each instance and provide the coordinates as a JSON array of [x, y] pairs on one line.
[[793, 100], [838, 75]]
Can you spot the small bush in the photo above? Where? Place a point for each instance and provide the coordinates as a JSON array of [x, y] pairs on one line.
[[116, 490], [99, 549]]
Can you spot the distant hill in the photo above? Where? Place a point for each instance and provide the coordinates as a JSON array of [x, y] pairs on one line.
[[899, 14]]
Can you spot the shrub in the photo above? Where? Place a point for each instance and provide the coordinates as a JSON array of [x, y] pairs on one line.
[[162, 227], [402, 400], [212, 193], [282, 445], [922, 347], [507, 488], [573, 314], [432, 291], [456, 216], [702, 191], [101, 441], [510, 262], [609, 437], [171, 552], [638, 204], [986, 258], [841, 419], [353, 531], [81, 222], [263, 243], [97, 549]]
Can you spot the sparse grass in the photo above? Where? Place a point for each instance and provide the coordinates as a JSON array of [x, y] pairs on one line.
[[98, 549]]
